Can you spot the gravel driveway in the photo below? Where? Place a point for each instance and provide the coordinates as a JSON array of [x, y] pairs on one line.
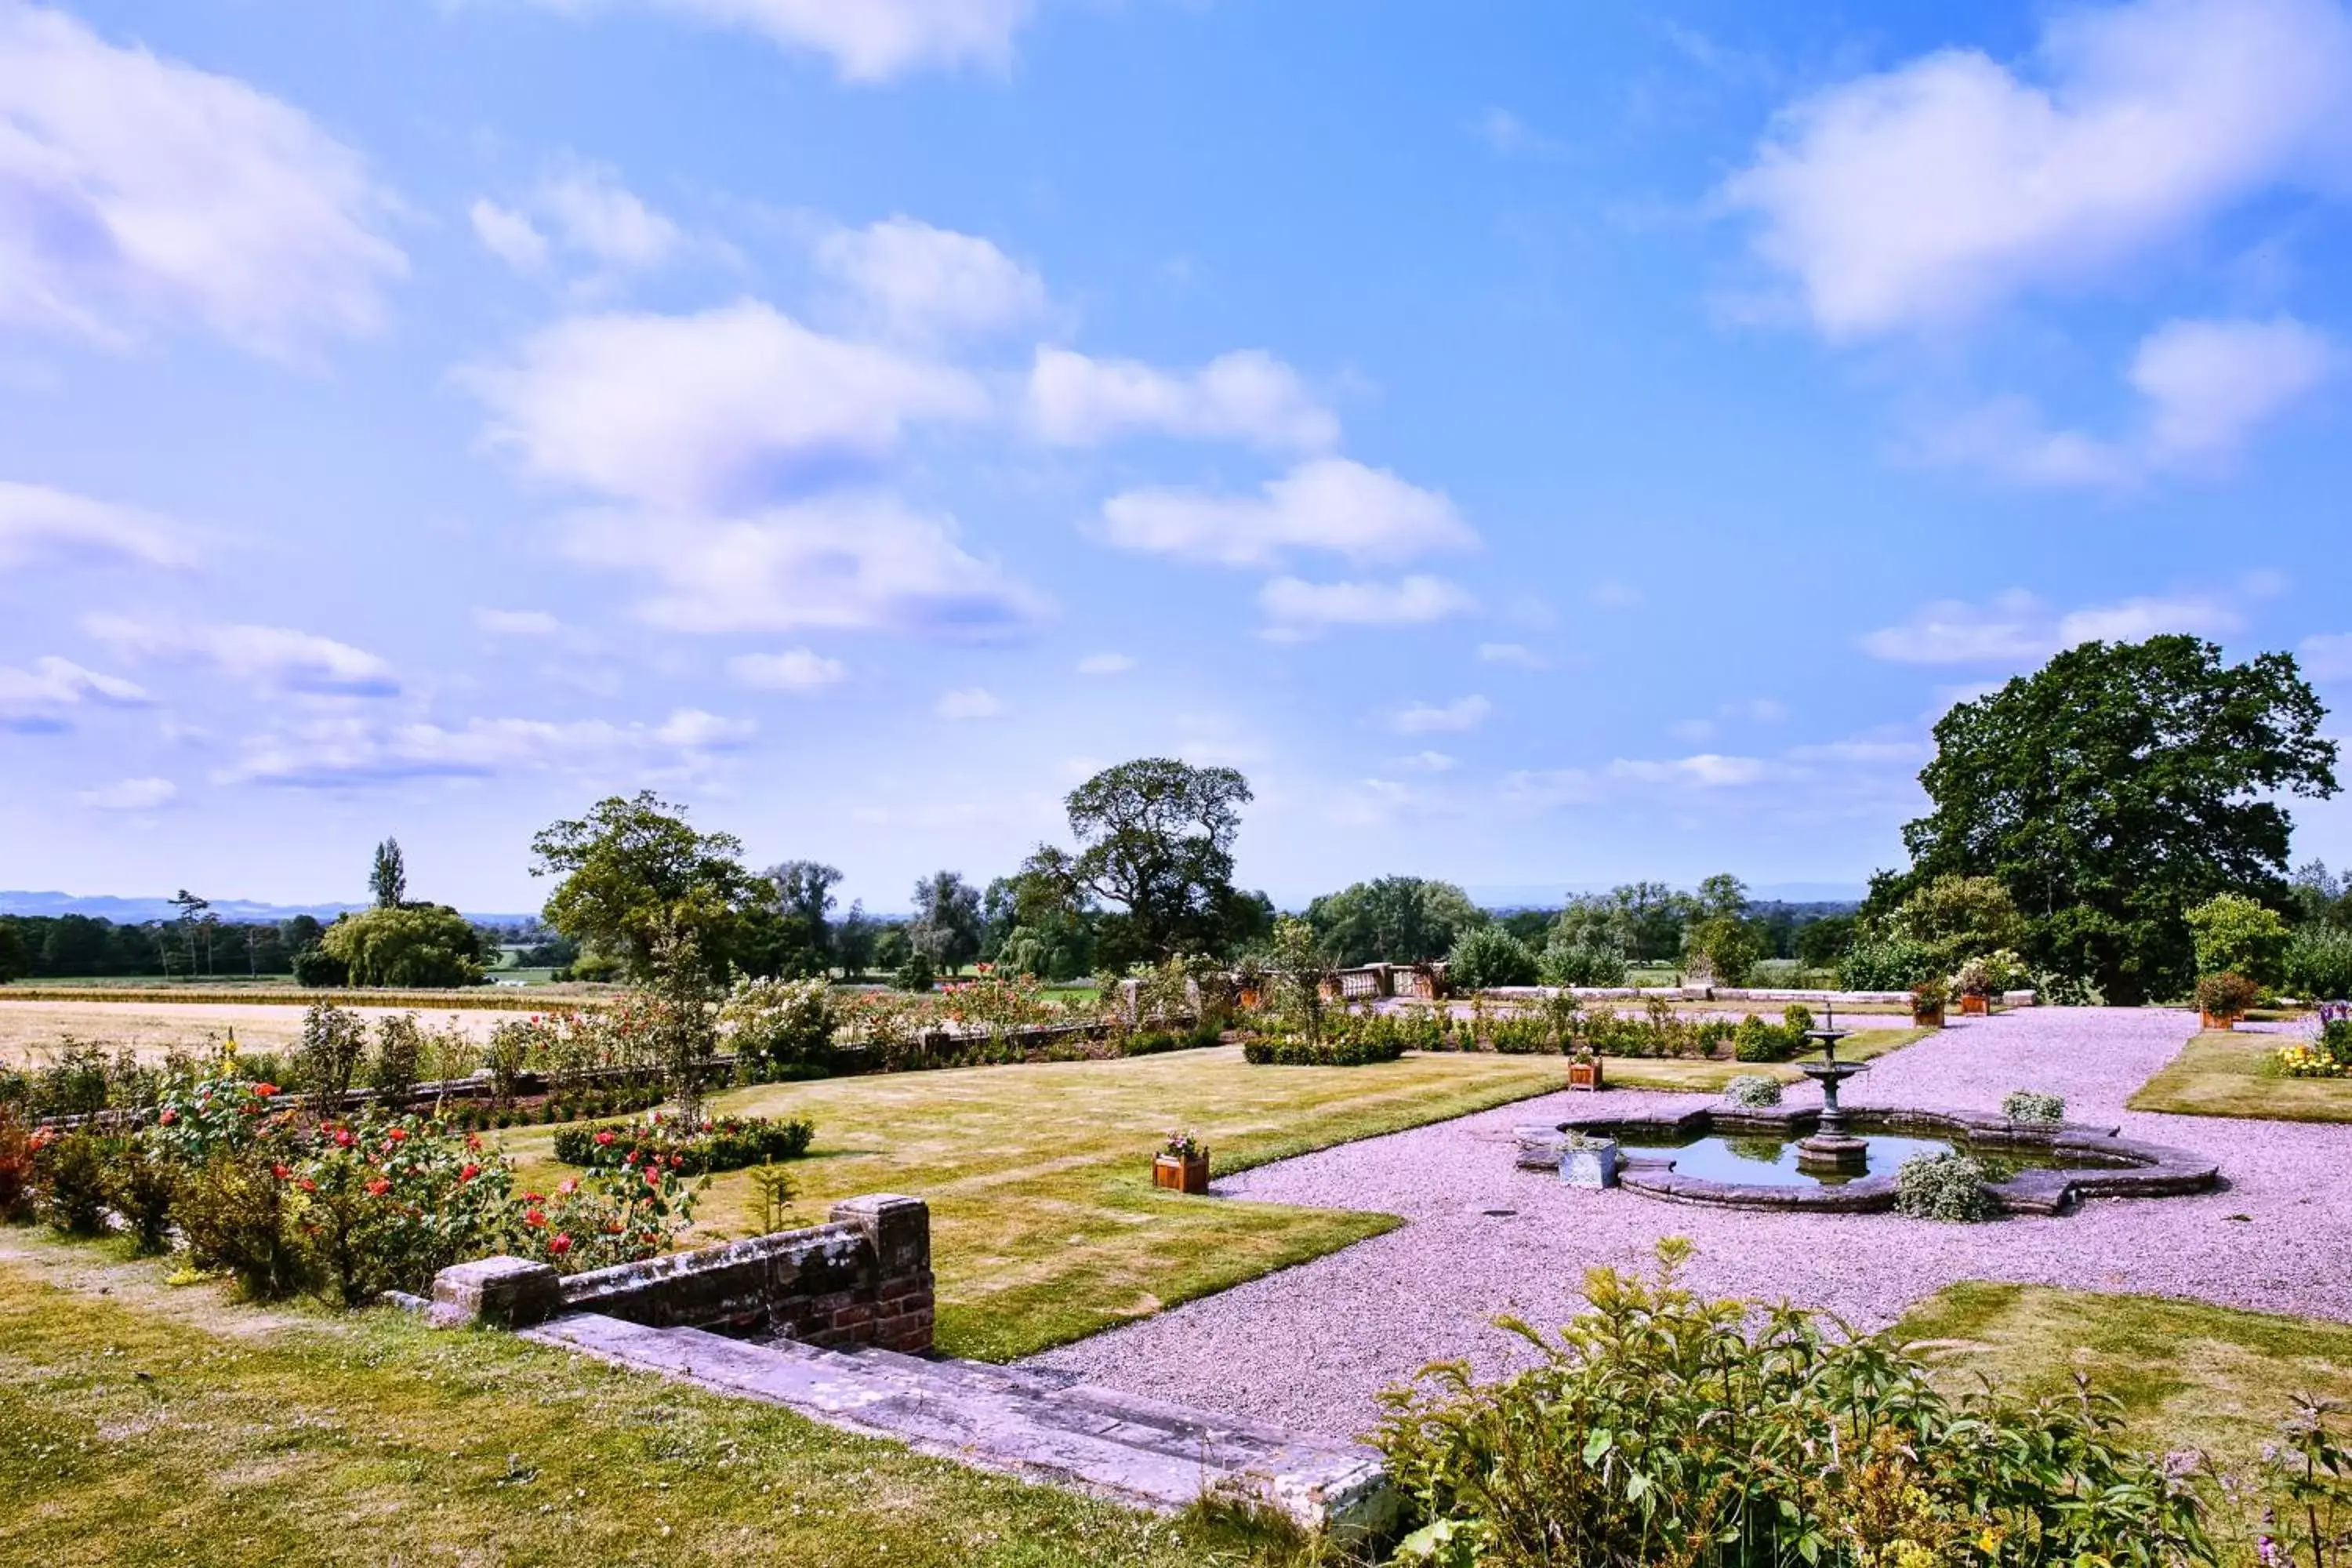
[[1311, 1347]]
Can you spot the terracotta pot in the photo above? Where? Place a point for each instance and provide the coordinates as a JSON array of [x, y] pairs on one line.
[[1585, 1075], [1975, 1007], [1181, 1174], [1926, 1017]]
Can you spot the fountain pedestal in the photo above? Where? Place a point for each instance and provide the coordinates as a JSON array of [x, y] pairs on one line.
[[1831, 1151]]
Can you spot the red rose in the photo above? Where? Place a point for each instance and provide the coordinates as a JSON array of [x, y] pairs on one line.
[[569, 1186], [630, 1158], [559, 1244], [652, 1176], [469, 1173], [534, 1217], [397, 1135], [380, 1186], [280, 1171], [342, 1137], [307, 1185], [168, 1117], [605, 1137], [265, 1089], [530, 1197]]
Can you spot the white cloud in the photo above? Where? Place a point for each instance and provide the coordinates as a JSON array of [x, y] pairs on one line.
[[1296, 610], [794, 669], [517, 623], [275, 656], [722, 409], [1106, 664], [849, 562], [2015, 627], [585, 210], [1512, 653], [1076, 400], [1330, 503], [1932, 192], [508, 235], [1756, 709], [131, 795], [1463, 713], [142, 194], [1705, 771], [913, 280], [867, 40], [1545, 789], [2206, 388], [1425, 763], [349, 751], [2327, 656], [1508, 136], [1611, 594], [44, 527], [968, 703], [36, 701]]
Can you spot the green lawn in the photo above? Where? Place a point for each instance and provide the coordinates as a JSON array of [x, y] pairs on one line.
[[1046, 1226], [2188, 1375], [2225, 1073], [150, 1426]]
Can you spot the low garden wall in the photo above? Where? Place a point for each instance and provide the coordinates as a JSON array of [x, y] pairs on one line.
[[863, 1279]]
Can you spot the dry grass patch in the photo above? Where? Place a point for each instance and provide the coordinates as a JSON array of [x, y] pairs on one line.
[[30, 1032], [2224, 1073]]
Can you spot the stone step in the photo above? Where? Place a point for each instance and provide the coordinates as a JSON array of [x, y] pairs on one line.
[[1139, 1450]]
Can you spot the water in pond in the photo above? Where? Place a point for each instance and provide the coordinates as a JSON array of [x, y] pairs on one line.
[[1771, 1162]]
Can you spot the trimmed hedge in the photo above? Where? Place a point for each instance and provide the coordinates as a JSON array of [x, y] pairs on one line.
[[1351, 1051], [724, 1144]]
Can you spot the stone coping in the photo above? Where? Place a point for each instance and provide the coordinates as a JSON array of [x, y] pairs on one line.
[[2111, 1165]]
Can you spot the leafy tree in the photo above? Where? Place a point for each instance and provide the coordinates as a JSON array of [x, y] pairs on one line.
[[2234, 933], [1960, 917], [389, 879], [12, 952], [852, 941], [1156, 840], [2117, 787], [1722, 897], [1820, 943], [408, 945], [683, 1018], [1650, 917], [1394, 919], [1488, 956], [631, 867], [1049, 920], [1302, 963], [890, 948], [945, 927], [1724, 944]]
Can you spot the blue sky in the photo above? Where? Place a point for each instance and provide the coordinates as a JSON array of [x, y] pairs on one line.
[[1540, 445]]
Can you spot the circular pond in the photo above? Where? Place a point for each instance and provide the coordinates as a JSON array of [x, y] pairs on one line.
[[1766, 1160]]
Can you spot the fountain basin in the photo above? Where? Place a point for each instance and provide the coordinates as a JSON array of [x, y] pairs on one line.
[[1696, 1158]]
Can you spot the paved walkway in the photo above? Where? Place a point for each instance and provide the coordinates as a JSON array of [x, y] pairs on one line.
[[1311, 1347]]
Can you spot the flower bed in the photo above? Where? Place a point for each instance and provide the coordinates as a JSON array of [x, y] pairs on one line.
[[692, 1148], [2329, 1056]]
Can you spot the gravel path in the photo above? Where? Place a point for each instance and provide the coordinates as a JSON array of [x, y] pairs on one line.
[[1311, 1347]]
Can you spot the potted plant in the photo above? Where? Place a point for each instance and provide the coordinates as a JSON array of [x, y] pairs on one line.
[[1584, 1071], [1927, 1000], [1182, 1165], [1975, 984], [2222, 999], [1586, 1161]]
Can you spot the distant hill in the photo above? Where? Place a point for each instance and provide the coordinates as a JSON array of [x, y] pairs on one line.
[[1551, 897], [138, 911]]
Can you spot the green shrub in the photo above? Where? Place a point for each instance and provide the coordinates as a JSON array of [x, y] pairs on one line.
[[2032, 1105], [2235, 933], [16, 1158], [1347, 1049], [778, 1023], [1660, 1428], [1886, 964], [1487, 956], [142, 1183], [2318, 963], [1754, 1040], [1567, 961], [1752, 1089], [386, 1205], [2227, 994], [915, 974], [393, 1067], [69, 1181], [691, 1149], [1948, 1186], [239, 1216]]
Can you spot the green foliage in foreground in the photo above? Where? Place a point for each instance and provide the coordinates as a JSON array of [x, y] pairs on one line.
[[151, 1428], [1661, 1427]]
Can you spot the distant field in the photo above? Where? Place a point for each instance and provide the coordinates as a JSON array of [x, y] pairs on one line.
[[32, 1030], [157, 993]]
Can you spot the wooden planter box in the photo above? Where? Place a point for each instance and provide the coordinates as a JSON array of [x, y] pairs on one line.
[[2218, 1020], [1585, 1075], [1926, 1017], [1178, 1175], [1975, 1007]]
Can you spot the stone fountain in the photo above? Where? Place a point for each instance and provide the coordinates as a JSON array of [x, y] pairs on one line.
[[1832, 1150]]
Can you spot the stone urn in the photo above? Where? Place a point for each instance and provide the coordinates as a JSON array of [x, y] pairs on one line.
[[1588, 1162], [1586, 1076], [1180, 1173]]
